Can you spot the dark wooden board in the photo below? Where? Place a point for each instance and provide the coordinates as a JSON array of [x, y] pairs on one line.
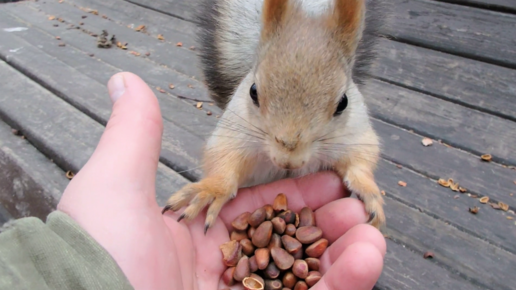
[[476, 33], [57, 129], [479, 262], [407, 270], [461, 127], [471, 83], [30, 184], [177, 8], [124, 13], [498, 5]]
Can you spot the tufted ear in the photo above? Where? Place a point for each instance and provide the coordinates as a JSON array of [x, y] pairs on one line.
[[348, 19], [273, 13]]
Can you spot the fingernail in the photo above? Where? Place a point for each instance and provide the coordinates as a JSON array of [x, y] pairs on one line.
[[116, 87]]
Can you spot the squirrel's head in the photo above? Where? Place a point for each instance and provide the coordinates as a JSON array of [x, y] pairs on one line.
[[300, 86]]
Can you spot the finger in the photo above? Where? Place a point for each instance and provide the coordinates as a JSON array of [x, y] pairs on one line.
[[127, 155], [362, 233], [357, 268], [313, 190], [337, 217]]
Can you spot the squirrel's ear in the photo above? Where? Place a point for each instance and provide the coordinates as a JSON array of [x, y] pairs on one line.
[[349, 18], [273, 13]]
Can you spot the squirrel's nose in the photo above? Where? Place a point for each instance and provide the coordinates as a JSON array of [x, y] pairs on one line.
[[290, 145]]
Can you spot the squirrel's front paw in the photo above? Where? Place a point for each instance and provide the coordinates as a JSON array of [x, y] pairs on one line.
[[364, 186], [214, 192]]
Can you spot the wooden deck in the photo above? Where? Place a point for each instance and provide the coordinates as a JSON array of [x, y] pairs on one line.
[[446, 71]]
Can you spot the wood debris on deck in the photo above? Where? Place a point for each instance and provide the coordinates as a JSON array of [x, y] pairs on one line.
[[443, 94]]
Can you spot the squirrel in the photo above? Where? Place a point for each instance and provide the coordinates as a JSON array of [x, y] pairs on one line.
[[287, 75]]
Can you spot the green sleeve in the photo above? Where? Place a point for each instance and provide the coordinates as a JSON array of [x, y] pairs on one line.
[[55, 255]]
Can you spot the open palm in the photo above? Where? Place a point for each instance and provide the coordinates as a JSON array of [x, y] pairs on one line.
[[113, 199]]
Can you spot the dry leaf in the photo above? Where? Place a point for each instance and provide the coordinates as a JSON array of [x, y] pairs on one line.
[[402, 183], [120, 45], [69, 174], [160, 90], [51, 17], [427, 142], [135, 53], [503, 206], [199, 105], [474, 210], [454, 187], [484, 199], [383, 192], [171, 86], [179, 44], [444, 182], [462, 189], [140, 28], [160, 37], [486, 157]]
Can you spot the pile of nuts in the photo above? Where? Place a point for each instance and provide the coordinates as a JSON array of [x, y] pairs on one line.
[[274, 248]]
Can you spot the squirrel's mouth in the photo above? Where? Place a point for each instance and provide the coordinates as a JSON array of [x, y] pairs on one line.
[[288, 165]]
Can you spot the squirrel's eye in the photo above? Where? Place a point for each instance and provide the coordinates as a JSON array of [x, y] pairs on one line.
[[254, 94], [342, 105]]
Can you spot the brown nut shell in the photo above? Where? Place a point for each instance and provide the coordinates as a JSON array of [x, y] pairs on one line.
[[291, 244], [238, 235], [253, 265], [247, 247], [251, 283], [308, 234], [300, 269], [227, 276], [269, 212], [290, 230], [275, 241], [272, 272], [273, 284], [240, 222], [313, 264], [262, 258], [298, 255], [231, 253], [262, 235], [255, 276], [301, 285], [257, 217], [289, 217], [279, 225], [316, 249], [306, 217], [312, 278], [242, 269], [250, 232], [280, 203], [282, 258], [289, 280]]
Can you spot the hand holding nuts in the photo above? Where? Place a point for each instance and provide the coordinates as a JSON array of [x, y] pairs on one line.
[[274, 248]]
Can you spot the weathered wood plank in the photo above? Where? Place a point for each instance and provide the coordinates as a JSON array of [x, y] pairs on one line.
[[471, 32], [406, 270], [30, 184], [57, 129], [499, 5], [471, 83], [176, 8], [456, 125]]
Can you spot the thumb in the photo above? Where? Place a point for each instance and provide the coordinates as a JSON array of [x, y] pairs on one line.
[[126, 158]]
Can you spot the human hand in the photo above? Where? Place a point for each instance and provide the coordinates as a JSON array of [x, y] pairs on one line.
[[113, 199]]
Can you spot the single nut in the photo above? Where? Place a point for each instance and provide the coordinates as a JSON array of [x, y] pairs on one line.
[[308, 234], [312, 278], [271, 272], [242, 269], [250, 232], [301, 285], [273, 284], [313, 264], [227, 276], [247, 247], [240, 222], [269, 212], [289, 280], [291, 245], [306, 217], [238, 235], [279, 225], [300, 269], [290, 230], [257, 217], [262, 258], [280, 203], [275, 241], [282, 258], [317, 249], [251, 283], [231, 253], [258, 278], [289, 217], [262, 235], [253, 265]]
